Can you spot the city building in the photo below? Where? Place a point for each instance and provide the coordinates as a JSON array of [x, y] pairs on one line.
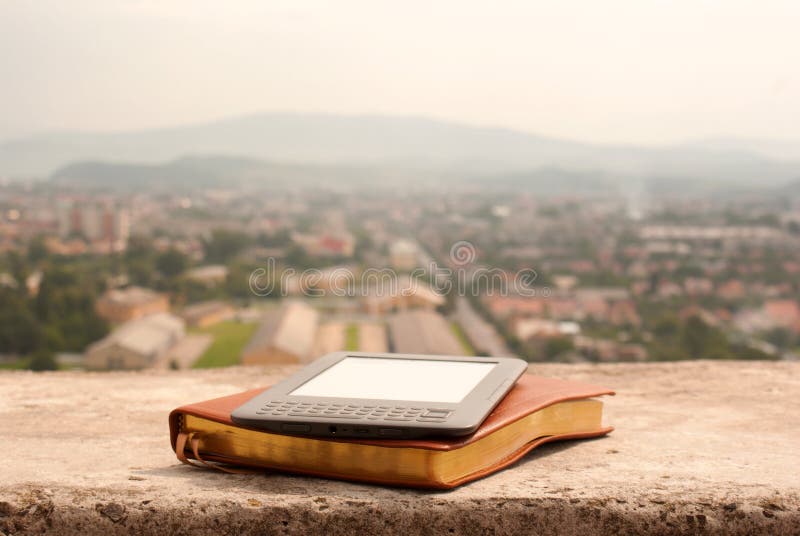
[[94, 220], [285, 335], [372, 337], [385, 295], [404, 255], [542, 328], [122, 305], [204, 314], [753, 234], [623, 313], [783, 313], [137, 344], [606, 350], [733, 289], [423, 332], [33, 282], [502, 307], [7, 281], [481, 334], [334, 281], [210, 275], [338, 244]]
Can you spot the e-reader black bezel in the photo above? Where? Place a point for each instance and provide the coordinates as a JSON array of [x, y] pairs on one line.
[[464, 417]]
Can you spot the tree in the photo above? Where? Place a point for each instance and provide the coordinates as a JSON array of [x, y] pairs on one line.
[[702, 341], [666, 326], [279, 238], [65, 311], [17, 265], [139, 247], [43, 360], [37, 250], [556, 346], [20, 332], [297, 257], [140, 271], [780, 337], [172, 263], [224, 244], [237, 284]]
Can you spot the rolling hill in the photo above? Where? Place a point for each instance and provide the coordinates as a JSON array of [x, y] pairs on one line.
[[387, 141]]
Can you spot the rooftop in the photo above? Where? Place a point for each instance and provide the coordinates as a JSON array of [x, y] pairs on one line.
[[290, 328], [130, 296], [698, 446], [423, 332], [144, 335], [211, 271], [197, 310]]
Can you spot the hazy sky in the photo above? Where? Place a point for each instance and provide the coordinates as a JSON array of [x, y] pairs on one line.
[[607, 71]]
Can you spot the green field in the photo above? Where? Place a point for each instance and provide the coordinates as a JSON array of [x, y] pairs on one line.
[[24, 364], [230, 338], [459, 333], [351, 338]]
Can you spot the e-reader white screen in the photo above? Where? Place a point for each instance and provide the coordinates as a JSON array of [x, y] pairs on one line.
[[397, 379]]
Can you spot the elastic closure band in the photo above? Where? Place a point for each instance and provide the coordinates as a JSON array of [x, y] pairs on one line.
[[193, 439]]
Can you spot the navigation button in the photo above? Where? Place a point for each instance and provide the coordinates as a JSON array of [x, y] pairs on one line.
[[436, 414]]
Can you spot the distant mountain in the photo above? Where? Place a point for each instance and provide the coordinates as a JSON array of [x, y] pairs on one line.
[[770, 149], [384, 141], [556, 181], [193, 172], [197, 172], [790, 188]]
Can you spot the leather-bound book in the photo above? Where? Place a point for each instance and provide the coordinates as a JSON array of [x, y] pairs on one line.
[[536, 410]]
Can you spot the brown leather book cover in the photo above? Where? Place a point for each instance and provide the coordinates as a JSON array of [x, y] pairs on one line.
[[531, 394]]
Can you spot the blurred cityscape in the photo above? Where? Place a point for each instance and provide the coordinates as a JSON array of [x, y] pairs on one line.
[[260, 267]]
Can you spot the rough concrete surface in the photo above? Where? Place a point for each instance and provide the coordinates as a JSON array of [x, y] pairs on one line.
[[700, 447]]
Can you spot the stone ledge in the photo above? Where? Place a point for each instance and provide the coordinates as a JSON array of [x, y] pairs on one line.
[[700, 446]]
